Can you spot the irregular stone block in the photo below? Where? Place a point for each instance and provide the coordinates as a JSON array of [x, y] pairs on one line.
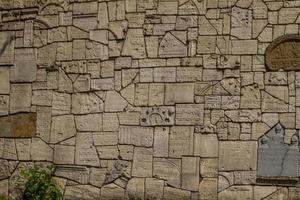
[[241, 23], [168, 169], [142, 162], [189, 114], [156, 116], [239, 155], [236, 192], [20, 98], [114, 102], [112, 192], [18, 125], [135, 189], [134, 44], [181, 141], [79, 192], [119, 168], [206, 145], [89, 122], [40, 150], [208, 188], [4, 105], [8, 149], [84, 103], [176, 194], [75, 173], [190, 173], [276, 159], [161, 142], [105, 138], [63, 127], [179, 93], [139, 136], [171, 46], [7, 48], [97, 176], [64, 154], [4, 80]]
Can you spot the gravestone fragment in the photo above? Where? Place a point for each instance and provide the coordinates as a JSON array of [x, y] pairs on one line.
[[155, 116], [284, 53], [18, 125], [276, 159]]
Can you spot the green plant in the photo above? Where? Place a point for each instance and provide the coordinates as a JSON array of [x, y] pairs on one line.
[[3, 197], [38, 184]]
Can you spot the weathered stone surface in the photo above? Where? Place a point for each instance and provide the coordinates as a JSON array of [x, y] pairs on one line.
[[75, 173], [4, 169], [176, 194], [8, 149], [236, 192], [112, 192], [7, 48], [79, 192], [244, 115], [142, 162], [134, 44], [118, 169], [89, 122], [181, 141], [209, 167], [250, 97], [156, 116], [63, 127], [61, 103], [23, 148], [97, 176], [114, 102], [86, 153], [161, 142], [135, 188], [241, 23], [282, 53], [4, 80], [171, 46], [242, 155], [154, 189], [189, 114], [20, 98], [108, 152], [168, 169], [40, 150], [179, 93], [105, 138], [208, 188], [64, 154], [138, 136], [206, 145], [4, 105], [190, 173], [18, 125], [84, 103], [277, 160]]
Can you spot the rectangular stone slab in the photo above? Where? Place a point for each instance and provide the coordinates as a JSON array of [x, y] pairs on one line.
[[18, 125]]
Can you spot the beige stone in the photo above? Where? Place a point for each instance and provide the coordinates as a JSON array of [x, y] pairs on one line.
[[250, 97], [112, 192], [84, 103], [77, 192], [89, 122], [134, 44], [154, 189], [63, 127], [176, 194], [181, 141], [20, 98], [135, 188], [61, 103], [241, 23], [208, 188], [4, 105], [41, 151], [236, 192], [179, 93], [142, 162], [206, 145], [138, 136], [4, 80], [237, 155], [190, 173], [64, 154], [161, 142], [41, 97], [189, 114]]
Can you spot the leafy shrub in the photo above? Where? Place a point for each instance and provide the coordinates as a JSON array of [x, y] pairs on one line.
[[3, 197], [38, 184]]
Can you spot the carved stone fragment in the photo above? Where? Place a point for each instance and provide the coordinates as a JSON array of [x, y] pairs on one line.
[[284, 53], [156, 116]]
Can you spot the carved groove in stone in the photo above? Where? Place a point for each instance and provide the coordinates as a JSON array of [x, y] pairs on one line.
[[157, 116]]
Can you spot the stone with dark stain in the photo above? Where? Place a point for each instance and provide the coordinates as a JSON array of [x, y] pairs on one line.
[[276, 159], [18, 125], [284, 53]]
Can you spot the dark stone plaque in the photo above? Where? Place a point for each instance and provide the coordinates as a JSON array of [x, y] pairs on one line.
[[284, 53], [276, 159], [18, 125]]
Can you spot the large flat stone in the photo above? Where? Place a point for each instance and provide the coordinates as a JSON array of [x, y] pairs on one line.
[[18, 125]]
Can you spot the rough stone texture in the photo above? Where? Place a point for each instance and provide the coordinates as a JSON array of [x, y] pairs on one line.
[[151, 99]]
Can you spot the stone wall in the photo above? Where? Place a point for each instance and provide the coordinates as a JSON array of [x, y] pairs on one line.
[[149, 99]]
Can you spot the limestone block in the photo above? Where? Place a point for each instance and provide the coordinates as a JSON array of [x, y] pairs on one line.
[[114, 102], [244, 115], [102, 15], [169, 170], [43, 122], [206, 145], [84, 103], [89, 122], [167, 7], [190, 173], [4, 105], [176, 194], [20, 98], [241, 23], [129, 118], [250, 97], [237, 155], [239, 47], [64, 82], [206, 44], [105, 138], [273, 104], [142, 162], [236, 192], [7, 56], [112, 192], [287, 15], [171, 46], [58, 34], [64, 154], [63, 127], [179, 93], [135, 188], [141, 94], [156, 94], [23, 148], [82, 83], [96, 50], [85, 22], [65, 18], [4, 188], [188, 74], [134, 44], [41, 97], [189, 114], [154, 189], [4, 80], [102, 84], [161, 142], [40, 150], [61, 103], [209, 167], [8, 149], [110, 122], [154, 116], [78, 192], [181, 141], [86, 153], [4, 171], [77, 50], [118, 29], [138, 136], [108, 152], [208, 188], [165, 74], [75, 173]]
